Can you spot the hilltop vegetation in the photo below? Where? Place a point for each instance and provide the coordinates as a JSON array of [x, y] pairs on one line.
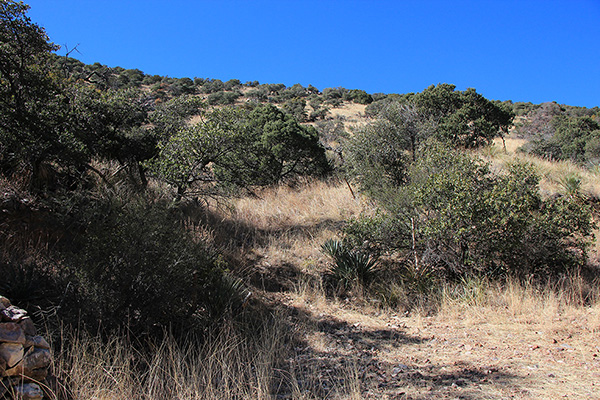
[[130, 201]]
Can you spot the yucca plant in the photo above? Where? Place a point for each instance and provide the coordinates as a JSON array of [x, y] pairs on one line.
[[571, 184], [349, 266]]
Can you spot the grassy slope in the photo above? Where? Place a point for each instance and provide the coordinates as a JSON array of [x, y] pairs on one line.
[[484, 342]]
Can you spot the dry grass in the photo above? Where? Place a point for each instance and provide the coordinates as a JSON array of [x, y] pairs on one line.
[[545, 338], [553, 173], [226, 364], [350, 111], [486, 340], [489, 341], [289, 225], [307, 204]]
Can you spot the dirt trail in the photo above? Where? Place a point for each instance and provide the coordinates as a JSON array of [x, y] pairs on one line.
[[490, 356]]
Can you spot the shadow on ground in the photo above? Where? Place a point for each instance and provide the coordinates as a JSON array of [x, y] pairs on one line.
[[334, 359], [350, 359]]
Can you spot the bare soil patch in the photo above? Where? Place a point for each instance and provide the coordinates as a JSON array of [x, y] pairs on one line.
[[490, 355]]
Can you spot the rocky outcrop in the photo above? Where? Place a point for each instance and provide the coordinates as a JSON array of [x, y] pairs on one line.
[[24, 355]]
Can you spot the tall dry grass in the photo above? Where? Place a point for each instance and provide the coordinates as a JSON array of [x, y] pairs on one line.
[[225, 364], [287, 225], [524, 302]]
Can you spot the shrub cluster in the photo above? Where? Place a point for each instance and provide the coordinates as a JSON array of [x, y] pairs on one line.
[[563, 133], [454, 216]]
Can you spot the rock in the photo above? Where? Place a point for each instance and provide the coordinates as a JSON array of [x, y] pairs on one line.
[[11, 333], [17, 370], [29, 391], [12, 314], [12, 353], [36, 341], [37, 375], [4, 302], [38, 358], [28, 326], [398, 369], [24, 356]]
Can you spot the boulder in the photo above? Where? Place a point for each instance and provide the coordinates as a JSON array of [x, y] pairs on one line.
[[37, 359], [37, 375], [16, 371], [28, 326], [12, 353], [4, 302], [36, 341], [11, 332], [12, 314], [29, 391]]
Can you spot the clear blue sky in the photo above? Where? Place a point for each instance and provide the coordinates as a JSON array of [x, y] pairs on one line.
[[538, 50]]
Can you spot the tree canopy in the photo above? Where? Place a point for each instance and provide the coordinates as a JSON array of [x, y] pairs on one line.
[[236, 147]]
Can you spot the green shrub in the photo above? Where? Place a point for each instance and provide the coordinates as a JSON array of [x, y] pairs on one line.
[[231, 148], [296, 108], [212, 86], [358, 96], [133, 265], [274, 148], [572, 138], [457, 217], [223, 98]]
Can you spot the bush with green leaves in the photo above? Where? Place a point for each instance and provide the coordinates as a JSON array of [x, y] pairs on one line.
[[358, 96], [463, 118], [49, 122], [260, 94], [132, 264], [32, 94], [296, 91], [187, 156], [172, 115], [296, 107], [454, 215], [379, 102], [151, 79], [276, 148], [566, 137], [332, 131], [232, 84], [334, 95], [182, 86], [223, 98], [377, 155], [130, 78]]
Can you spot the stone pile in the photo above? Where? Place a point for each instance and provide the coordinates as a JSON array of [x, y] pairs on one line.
[[24, 355]]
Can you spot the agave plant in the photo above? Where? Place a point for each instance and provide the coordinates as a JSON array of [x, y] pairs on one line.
[[349, 266], [571, 184]]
